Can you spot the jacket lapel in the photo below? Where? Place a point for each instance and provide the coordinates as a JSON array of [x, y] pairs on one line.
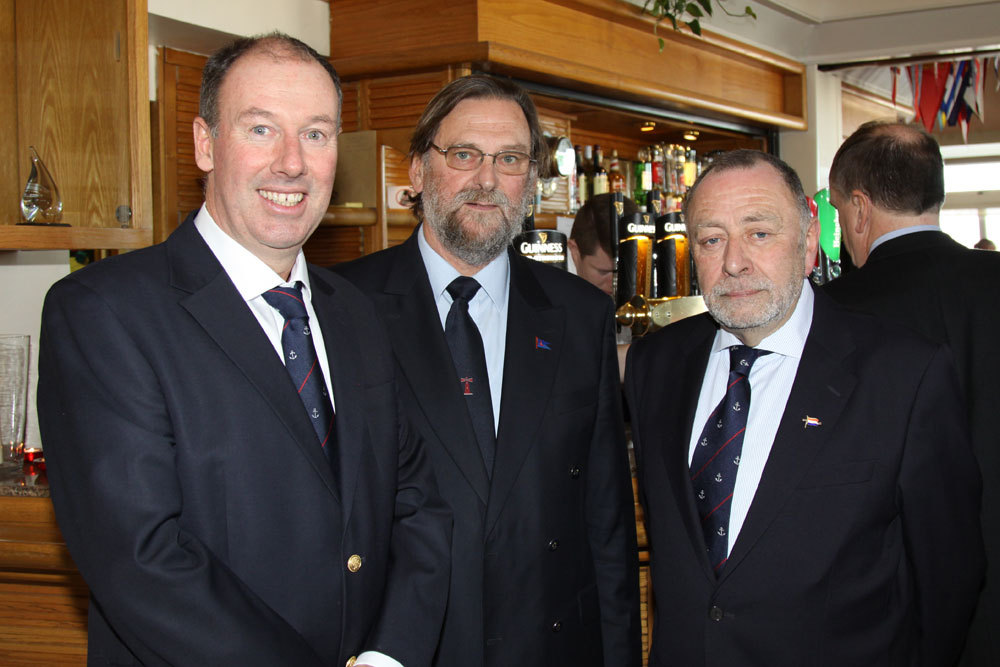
[[528, 378], [347, 377], [214, 303], [411, 317], [821, 389], [693, 355]]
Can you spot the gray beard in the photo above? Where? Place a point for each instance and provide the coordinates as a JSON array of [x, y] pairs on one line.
[[475, 250], [783, 298]]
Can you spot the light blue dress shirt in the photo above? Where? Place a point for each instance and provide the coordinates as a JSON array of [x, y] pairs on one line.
[[488, 308]]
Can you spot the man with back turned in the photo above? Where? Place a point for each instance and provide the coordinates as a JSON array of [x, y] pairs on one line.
[[809, 488], [887, 183], [510, 376], [228, 464]]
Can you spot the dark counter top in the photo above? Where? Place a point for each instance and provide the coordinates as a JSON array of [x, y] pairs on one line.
[[28, 479]]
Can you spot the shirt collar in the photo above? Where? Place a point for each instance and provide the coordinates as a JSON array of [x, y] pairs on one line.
[[493, 278], [790, 337], [251, 276], [896, 233]]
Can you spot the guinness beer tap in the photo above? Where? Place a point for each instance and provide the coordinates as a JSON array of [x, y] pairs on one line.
[[542, 245]]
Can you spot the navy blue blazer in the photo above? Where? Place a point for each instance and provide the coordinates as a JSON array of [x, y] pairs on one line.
[[544, 561], [192, 492], [862, 544]]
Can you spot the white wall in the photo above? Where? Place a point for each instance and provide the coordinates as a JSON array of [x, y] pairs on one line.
[[26, 276], [810, 153], [308, 20], [202, 27]]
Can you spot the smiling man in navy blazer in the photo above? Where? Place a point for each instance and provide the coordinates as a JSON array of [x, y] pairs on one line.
[[835, 519], [544, 567], [222, 512]]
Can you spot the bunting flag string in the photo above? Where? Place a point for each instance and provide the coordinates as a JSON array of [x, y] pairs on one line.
[[948, 94]]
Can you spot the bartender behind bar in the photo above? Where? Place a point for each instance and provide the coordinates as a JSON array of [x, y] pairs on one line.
[[590, 240], [227, 463]]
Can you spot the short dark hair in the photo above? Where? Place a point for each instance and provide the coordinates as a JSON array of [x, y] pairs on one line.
[[276, 45], [898, 166], [474, 86], [592, 225], [746, 159]]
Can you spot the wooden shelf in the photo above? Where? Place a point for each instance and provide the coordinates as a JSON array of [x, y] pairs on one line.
[[29, 237]]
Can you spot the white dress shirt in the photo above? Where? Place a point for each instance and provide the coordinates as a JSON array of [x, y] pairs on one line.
[[252, 278], [771, 379], [488, 309]]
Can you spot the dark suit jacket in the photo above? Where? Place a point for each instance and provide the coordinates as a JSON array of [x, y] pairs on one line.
[[862, 544], [950, 294], [190, 486], [544, 567]]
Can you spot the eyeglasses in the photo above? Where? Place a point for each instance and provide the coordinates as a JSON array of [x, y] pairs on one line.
[[512, 163]]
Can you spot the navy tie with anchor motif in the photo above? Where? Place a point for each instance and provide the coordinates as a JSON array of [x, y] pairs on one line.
[[301, 361], [470, 361], [716, 459]]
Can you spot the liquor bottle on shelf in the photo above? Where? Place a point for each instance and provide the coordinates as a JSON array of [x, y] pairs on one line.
[[659, 181], [616, 179], [600, 173], [588, 165], [581, 178], [643, 177]]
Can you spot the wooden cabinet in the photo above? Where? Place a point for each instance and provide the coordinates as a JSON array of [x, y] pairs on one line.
[[43, 600], [78, 93]]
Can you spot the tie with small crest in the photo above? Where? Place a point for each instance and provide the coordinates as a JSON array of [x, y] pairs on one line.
[[467, 352], [716, 459], [302, 363]]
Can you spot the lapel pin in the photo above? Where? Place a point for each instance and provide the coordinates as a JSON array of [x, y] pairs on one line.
[[541, 344], [811, 421]]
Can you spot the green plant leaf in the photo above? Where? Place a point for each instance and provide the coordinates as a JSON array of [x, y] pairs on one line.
[[695, 27], [694, 10], [749, 12], [706, 5], [673, 19], [660, 40]]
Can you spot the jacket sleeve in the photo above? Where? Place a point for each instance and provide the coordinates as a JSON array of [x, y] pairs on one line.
[[610, 511], [117, 494], [416, 588], [939, 494]]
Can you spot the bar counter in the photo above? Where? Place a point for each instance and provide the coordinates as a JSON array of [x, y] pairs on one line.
[[43, 600]]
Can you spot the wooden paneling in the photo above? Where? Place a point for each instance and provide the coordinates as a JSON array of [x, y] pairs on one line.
[[413, 24], [350, 111], [395, 102], [331, 245], [179, 186], [602, 46], [43, 601], [11, 186]]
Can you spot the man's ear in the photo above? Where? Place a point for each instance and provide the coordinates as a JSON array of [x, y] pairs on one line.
[[812, 245], [863, 205], [417, 173], [204, 145], [574, 251]]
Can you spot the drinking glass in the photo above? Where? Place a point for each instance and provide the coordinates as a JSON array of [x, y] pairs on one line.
[[13, 395]]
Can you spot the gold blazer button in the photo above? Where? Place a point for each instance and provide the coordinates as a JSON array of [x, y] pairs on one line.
[[354, 564], [350, 661]]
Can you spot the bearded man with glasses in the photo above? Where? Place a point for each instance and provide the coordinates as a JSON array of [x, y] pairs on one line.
[[508, 371]]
